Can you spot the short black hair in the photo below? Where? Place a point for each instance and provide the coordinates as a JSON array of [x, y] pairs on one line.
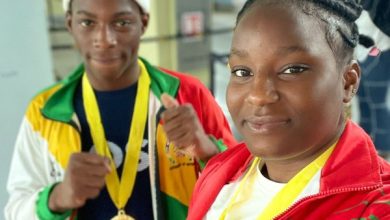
[[339, 17]]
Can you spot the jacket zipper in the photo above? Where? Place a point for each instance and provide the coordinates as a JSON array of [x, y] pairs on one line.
[[325, 194]]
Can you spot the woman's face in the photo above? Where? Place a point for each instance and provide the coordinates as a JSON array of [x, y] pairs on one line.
[[286, 91]]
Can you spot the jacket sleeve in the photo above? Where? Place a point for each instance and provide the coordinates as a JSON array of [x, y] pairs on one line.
[[29, 175], [213, 120], [209, 112]]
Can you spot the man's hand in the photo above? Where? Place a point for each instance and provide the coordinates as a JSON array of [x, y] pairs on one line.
[[182, 127], [84, 179]]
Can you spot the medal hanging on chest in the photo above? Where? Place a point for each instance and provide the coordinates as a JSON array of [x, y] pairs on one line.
[[120, 190], [122, 216]]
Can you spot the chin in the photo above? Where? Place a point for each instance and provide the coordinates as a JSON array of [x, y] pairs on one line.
[[259, 150], [106, 74], [268, 149]]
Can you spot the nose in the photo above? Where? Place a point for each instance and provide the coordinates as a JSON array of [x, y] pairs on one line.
[[104, 38], [262, 91]]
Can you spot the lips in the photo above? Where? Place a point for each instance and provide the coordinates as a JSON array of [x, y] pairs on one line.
[[265, 124], [105, 59]]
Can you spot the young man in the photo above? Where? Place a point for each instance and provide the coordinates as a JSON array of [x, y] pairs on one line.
[[93, 146]]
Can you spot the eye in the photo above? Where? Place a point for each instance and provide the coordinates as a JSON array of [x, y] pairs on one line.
[[122, 23], [294, 69], [86, 23], [241, 73]]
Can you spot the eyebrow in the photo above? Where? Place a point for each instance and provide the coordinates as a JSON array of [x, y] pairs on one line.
[[290, 49], [239, 53], [282, 51], [83, 12]]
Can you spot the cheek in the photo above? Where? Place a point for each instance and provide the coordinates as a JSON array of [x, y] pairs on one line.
[[130, 44], [82, 42], [315, 103], [234, 99]]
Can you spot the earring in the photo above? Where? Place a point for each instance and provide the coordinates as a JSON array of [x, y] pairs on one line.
[[354, 90]]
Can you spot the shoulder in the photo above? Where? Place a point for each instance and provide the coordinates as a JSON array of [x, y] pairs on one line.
[[40, 99], [231, 161], [66, 86], [33, 113], [220, 170], [379, 206]]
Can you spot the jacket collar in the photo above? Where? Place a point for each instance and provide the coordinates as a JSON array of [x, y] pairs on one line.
[[354, 158], [353, 165], [354, 162], [60, 107]]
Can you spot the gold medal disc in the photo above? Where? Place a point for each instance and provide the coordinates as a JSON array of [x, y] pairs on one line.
[[122, 216]]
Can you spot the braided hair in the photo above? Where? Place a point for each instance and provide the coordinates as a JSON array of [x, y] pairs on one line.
[[338, 17]]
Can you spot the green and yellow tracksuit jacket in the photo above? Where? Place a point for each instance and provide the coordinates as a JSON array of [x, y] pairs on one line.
[[50, 133]]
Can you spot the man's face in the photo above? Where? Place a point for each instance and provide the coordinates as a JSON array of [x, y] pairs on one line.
[[107, 34]]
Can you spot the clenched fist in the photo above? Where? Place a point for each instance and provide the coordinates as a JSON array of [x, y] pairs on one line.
[[184, 130], [84, 179]]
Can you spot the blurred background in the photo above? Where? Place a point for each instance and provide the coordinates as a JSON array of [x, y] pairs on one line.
[[185, 35]]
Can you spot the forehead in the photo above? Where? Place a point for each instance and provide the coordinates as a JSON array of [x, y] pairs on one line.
[[280, 26], [104, 6]]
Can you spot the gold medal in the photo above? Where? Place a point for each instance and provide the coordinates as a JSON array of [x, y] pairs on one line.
[[120, 190], [122, 216]]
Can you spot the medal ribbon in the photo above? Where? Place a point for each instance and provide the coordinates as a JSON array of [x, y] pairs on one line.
[[119, 190], [288, 194]]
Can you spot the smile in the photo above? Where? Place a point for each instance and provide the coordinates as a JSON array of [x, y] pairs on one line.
[[265, 124]]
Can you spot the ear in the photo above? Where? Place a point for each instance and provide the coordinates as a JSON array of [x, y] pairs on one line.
[[351, 79], [144, 21], [68, 21]]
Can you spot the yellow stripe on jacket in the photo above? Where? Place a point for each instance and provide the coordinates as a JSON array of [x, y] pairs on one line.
[[177, 172], [62, 139]]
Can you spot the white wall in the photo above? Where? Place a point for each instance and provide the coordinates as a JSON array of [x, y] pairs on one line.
[[25, 68]]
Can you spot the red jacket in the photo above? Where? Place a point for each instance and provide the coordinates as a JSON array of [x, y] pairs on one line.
[[355, 182]]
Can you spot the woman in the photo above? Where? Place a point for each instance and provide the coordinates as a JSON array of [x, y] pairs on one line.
[[292, 72]]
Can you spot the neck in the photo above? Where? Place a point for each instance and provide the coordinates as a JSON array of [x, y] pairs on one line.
[[111, 82], [284, 170]]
